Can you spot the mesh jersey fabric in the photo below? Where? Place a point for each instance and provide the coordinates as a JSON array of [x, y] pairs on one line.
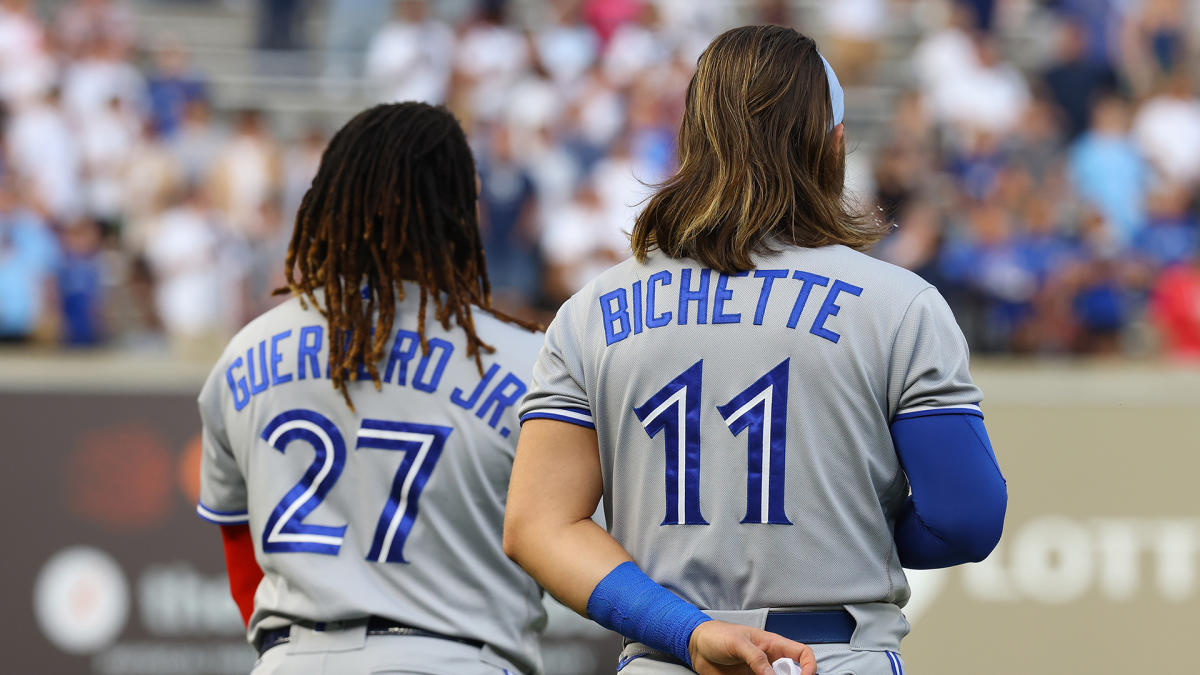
[[722, 490]]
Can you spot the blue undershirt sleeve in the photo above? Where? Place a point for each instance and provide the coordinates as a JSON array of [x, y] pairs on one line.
[[955, 513]]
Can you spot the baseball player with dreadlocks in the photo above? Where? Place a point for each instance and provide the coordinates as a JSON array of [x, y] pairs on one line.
[[358, 438], [777, 423]]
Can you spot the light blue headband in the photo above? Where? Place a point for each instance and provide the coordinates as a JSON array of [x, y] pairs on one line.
[[837, 97]]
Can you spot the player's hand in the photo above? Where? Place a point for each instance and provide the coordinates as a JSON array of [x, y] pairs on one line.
[[720, 648]]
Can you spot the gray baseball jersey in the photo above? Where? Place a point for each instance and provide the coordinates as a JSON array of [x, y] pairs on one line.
[[394, 509], [743, 421]]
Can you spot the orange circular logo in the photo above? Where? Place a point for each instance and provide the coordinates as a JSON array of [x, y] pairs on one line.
[[120, 477]]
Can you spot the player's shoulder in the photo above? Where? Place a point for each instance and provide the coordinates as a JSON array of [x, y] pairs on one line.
[[277, 323], [884, 276], [842, 258], [889, 288]]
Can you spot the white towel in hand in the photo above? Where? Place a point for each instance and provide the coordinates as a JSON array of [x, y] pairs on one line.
[[786, 667]]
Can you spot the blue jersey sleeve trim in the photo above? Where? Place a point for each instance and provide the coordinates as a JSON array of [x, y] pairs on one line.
[[222, 517], [942, 410], [570, 415], [628, 660]]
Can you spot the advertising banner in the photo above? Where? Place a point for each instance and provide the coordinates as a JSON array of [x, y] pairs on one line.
[[114, 574]]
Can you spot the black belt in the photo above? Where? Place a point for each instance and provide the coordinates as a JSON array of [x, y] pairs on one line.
[[812, 627], [376, 625]]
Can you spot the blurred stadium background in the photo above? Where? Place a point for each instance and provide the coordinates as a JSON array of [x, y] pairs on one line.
[[1039, 158]]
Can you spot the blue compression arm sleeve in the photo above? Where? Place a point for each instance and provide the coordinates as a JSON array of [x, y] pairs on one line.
[[956, 511], [629, 602]]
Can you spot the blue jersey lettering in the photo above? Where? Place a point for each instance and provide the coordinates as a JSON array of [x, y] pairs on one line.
[[768, 280], [720, 296], [698, 296], [831, 308], [807, 281], [652, 320], [309, 351], [619, 315], [277, 358]]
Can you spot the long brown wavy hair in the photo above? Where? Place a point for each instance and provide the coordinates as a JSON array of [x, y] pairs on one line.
[[758, 162], [393, 200]]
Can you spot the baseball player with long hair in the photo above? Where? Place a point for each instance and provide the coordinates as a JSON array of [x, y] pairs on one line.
[[358, 438], [778, 424]]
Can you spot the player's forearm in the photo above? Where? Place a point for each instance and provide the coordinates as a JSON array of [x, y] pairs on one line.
[[553, 491], [568, 560]]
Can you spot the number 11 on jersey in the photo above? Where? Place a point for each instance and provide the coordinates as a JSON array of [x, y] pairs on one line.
[[760, 410], [675, 411]]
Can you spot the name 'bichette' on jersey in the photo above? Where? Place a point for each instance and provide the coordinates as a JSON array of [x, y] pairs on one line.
[[734, 454], [394, 509]]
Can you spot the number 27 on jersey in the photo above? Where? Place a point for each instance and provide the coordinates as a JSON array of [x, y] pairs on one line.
[[286, 531]]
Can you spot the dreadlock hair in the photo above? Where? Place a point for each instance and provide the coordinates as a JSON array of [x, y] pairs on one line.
[[393, 200]]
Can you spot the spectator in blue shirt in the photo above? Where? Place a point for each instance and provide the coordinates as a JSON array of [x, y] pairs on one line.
[[506, 209], [989, 264], [1042, 247], [1100, 299], [28, 256], [1108, 171], [1074, 80], [171, 86], [80, 284], [1171, 235]]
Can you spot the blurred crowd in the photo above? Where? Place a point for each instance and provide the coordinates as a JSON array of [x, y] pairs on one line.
[[1039, 160], [1044, 172]]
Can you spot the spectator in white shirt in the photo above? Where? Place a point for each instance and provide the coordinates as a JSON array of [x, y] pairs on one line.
[[106, 140], [855, 28], [636, 47], [246, 172], [196, 141], [491, 56], [84, 22], [990, 97], [43, 149], [101, 75], [567, 46], [153, 175], [300, 162], [945, 55], [412, 57], [580, 242], [1167, 129], [183, 252], [26, 69], [623, 184]]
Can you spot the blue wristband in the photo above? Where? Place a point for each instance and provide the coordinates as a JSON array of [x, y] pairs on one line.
[[629, 602]]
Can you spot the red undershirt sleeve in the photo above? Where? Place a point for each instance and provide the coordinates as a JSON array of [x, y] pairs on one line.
[[244, 573]]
